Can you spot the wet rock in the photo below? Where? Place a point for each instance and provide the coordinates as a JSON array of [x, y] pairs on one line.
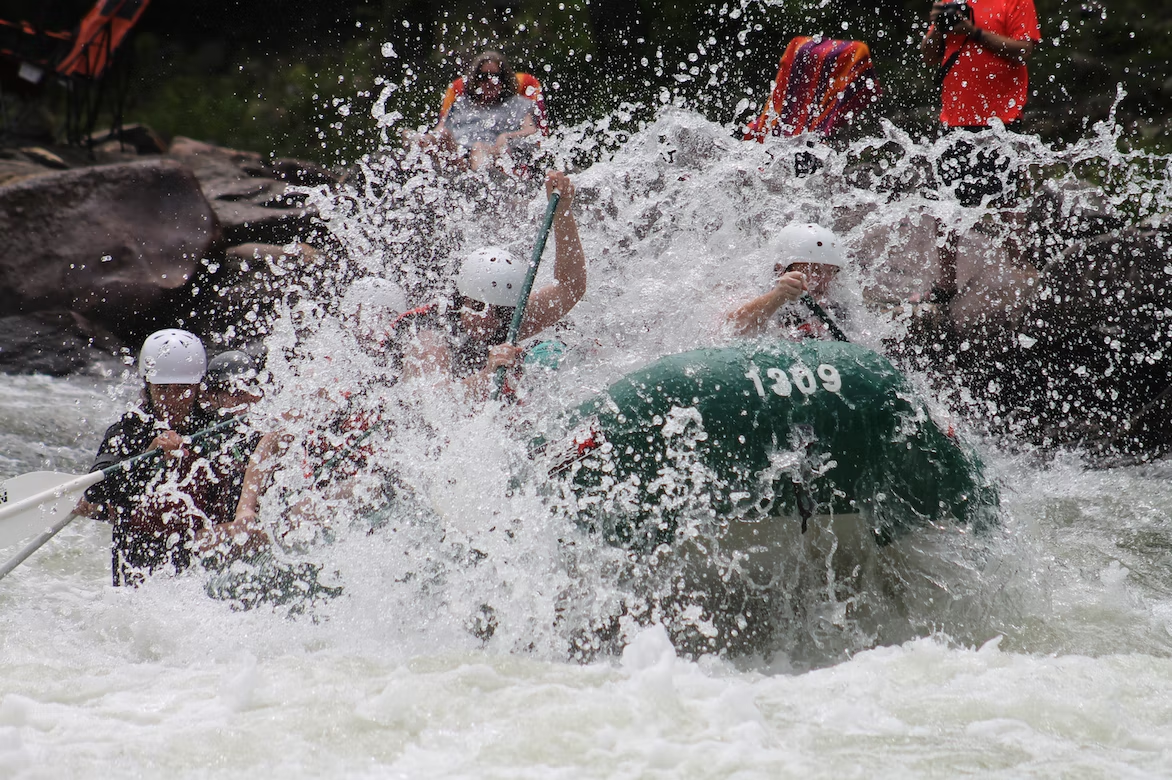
[[250, 196], [13, 168], [137, 138], [57, 342], [1087, 360], [301, 172], [44, 157], [109, 242]]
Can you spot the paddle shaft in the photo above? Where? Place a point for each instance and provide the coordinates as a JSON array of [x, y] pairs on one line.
[[80, 483], [527, 286], [813, 306], [36, 544], [87, 480]]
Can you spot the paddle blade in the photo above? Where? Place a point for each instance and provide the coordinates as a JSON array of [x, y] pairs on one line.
[[55, 496]]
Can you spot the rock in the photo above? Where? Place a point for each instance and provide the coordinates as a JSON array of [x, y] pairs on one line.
[[134, 137], [992, 287], [302, 173], [56, 342], [108, 242], [1086, 360], [248, 195], [28, 161], [12, 170], [44, 157]]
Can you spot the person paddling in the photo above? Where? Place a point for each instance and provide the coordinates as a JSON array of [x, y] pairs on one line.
[[230, 389], [463, 336], [158, 508], [808, 258], [153, 525]]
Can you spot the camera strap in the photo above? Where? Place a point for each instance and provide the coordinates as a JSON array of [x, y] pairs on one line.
[[942, 71]]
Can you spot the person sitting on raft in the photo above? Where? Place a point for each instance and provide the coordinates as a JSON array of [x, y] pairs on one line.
[[489, 119], [157, 506], [808, 260], [369, 310], [230, 384], [465, 337], [230, 389]]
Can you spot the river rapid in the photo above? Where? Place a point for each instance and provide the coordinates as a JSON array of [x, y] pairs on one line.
[[480, 633]]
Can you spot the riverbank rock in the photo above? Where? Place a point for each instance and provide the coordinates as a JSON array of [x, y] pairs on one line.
[[250, 196], [57, 342], [1099, 331], [130, 236], [108, 242]]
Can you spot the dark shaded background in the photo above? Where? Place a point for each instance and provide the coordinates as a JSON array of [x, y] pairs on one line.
[[297, 77]]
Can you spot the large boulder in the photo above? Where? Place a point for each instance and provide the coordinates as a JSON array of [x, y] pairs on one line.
[[1098, 331], [109, 242]]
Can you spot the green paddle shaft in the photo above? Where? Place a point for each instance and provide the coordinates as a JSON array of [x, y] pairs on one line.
[[813, 306], [527, 286]]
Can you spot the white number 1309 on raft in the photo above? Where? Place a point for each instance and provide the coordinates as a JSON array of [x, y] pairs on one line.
[[802, 379]]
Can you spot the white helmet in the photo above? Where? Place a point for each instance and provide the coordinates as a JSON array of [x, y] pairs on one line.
[[373, 296], [492, 275], [807, 243], [172, 357]]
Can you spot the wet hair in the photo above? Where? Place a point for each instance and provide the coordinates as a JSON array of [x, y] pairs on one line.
[[508, 75]]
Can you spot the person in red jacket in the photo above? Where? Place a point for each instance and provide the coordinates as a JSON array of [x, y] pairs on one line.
[[980, 48]]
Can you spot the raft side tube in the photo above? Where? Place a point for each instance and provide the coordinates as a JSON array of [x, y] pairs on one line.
[[773, 428]]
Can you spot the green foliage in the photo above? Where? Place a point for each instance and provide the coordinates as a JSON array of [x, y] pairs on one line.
[[295, 96]]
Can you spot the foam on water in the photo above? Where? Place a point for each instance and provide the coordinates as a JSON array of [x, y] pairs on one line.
[[481, 633]]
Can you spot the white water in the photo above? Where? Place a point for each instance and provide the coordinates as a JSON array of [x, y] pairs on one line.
[[1043, 650]]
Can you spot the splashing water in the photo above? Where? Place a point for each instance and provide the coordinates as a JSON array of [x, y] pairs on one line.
[[480, 630]]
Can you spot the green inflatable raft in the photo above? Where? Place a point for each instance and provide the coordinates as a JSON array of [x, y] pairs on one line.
[[778, 429]]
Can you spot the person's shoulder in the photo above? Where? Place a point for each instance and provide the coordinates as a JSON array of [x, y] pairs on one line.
[[130, 433]]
